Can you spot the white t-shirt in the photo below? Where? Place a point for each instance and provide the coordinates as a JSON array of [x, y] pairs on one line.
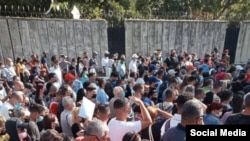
[[105, 62], [174, 121], [140, 81], [4, 110], [117, 129], [132, 66], [58, 73]]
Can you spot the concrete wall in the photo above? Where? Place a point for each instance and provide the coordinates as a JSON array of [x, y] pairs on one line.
[[200, 37], [243, 46], [23, 37]]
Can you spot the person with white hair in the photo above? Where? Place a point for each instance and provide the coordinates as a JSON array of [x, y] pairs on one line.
[[118, 93], [66, 115], [95, 128], [95, 131]]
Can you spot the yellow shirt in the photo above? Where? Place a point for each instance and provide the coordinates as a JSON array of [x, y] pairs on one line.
[[5, 137], [19, 68]]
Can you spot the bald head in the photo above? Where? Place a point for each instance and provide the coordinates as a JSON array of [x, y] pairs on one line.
[[17, 95], [18, 86], [118, 91]]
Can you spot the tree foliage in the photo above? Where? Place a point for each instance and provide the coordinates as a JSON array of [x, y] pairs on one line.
[[116, 11]]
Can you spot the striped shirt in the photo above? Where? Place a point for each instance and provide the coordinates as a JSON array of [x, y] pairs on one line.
[[66, 122]]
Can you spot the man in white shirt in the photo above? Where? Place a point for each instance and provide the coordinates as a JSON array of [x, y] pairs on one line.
[[14, 101], [105, 61], [119, 126], [55, 68], [133, 64]]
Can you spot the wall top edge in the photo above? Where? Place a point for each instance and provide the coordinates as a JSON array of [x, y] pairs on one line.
[[163, 20], [49, 19]]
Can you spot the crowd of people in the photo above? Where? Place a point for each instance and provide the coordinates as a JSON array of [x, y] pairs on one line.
[[151, 98]]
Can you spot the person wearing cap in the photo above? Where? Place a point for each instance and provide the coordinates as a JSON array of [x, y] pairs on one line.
[[69, 80], [151, 70], [133, 64], [188, 61], [104, 62], [93, 61], [152, 86]]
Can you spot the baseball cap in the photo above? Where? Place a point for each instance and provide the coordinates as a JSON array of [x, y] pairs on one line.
[[153, 79], [239, 67], [95, 52], [68, 76], [91, 87], [134, 56], [152, 67], [106, 52], [190, 67], [171, 72]]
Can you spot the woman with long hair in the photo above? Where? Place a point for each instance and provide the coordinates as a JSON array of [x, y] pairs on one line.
[[50, 121]]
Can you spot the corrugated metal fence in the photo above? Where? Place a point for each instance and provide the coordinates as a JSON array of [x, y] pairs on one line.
[[200, 37], [21, 37]]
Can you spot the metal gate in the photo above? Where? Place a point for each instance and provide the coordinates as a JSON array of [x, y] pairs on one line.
[[116, 40]]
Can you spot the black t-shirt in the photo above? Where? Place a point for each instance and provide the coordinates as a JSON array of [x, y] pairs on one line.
[[172, 62], [11, 125], [156, 131], [75, 128], [209, 98], [236, 86], [238, 119]]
